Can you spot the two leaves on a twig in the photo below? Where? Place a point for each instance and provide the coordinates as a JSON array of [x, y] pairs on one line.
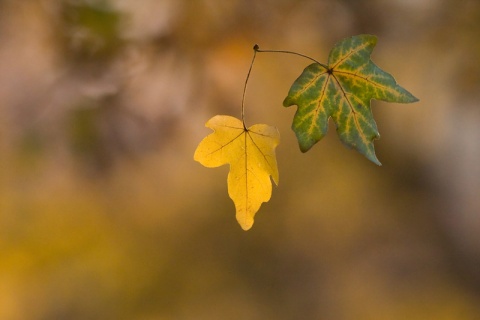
[[341, 90]]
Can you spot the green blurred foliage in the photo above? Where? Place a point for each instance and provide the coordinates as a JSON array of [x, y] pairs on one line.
[[90, 30], [84, 132], [105, 215]]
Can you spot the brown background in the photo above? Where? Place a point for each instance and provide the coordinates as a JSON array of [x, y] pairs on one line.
[[105, 215]]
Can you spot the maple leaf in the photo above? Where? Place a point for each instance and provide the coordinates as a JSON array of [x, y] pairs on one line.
[[343, 90], [251, 155]]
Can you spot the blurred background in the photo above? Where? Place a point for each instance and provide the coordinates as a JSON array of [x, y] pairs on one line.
[[105, 215]]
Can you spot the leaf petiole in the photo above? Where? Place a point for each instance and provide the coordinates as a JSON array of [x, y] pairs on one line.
[[245, 87], [257, 49]]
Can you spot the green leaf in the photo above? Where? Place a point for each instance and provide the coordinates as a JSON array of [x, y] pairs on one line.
[[343, 90]]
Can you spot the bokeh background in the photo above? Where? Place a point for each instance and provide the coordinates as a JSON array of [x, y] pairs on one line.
[[105, 215]]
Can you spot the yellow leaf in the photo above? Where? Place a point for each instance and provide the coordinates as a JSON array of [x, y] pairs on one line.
[[251, 155]]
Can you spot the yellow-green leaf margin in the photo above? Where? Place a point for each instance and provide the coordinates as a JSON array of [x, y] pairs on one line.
[[343, 90]]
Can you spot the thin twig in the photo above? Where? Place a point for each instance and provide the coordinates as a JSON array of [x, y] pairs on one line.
[[257, 49], [245, 87]]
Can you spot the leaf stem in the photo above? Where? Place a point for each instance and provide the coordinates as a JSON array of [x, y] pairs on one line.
[[245, 87], [257, 49]]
